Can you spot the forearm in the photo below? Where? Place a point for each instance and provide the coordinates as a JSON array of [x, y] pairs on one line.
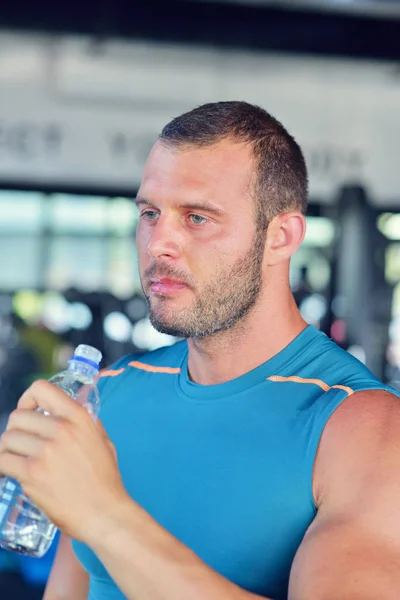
[[68, 580], [147, 563]]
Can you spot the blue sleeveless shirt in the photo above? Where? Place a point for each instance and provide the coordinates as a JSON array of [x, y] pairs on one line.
[[226, 468]]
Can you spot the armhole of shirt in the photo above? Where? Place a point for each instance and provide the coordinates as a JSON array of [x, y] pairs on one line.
[[329, 402]]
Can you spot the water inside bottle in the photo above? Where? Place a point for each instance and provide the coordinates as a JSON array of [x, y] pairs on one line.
[[24, 529]]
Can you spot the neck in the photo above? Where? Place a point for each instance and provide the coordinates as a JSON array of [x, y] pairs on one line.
[[267, 329]]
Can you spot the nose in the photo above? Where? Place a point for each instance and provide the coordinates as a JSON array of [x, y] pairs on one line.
[[164, 240]]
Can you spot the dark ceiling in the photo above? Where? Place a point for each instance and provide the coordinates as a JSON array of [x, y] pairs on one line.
[[259, 25]]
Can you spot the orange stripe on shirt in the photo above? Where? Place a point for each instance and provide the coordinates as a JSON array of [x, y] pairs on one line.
[[111, 373], [345, 388], [321, 384], [152, 369]]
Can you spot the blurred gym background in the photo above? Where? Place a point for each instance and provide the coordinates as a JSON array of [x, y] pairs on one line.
[[86, 86]]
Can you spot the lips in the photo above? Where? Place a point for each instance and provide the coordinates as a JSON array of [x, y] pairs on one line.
[[166, 286]]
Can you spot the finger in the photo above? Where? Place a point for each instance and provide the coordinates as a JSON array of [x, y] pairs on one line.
[[21, 443], [101, 429], [14, 466], [34, 422], [43, 394], [105, 437]]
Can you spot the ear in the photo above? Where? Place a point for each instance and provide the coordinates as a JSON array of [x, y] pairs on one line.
[[285, 233]]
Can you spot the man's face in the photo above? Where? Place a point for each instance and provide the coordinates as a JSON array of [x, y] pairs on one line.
[[200, 253]]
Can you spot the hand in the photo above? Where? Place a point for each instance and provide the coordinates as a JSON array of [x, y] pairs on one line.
[[65, 462]]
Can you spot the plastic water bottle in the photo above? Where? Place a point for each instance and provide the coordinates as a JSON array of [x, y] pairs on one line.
[[23, 527]]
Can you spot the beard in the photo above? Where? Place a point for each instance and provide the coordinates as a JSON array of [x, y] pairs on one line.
[[221, 304]]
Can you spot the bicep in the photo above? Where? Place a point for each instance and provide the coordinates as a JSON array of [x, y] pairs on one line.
[[68, 580], [346, 559]]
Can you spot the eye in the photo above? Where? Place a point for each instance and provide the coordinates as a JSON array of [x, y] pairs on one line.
[[197, 219], [149, 215]]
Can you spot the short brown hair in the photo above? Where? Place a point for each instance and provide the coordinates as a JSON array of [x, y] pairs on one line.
[[280, 183]]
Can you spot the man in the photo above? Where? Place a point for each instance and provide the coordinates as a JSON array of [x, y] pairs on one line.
[[256, 459]]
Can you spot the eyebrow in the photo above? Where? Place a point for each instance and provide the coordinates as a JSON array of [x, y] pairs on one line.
[[200, 206]]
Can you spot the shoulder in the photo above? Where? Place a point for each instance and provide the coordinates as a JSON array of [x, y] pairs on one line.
[[337, 368], [357, 440], [332, 376], [325, 367]]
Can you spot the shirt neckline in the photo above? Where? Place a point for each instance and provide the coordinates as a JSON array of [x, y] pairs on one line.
[[271, 367]]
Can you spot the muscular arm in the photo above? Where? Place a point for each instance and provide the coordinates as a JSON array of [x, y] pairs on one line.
[[352, 550], [68, 580]]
